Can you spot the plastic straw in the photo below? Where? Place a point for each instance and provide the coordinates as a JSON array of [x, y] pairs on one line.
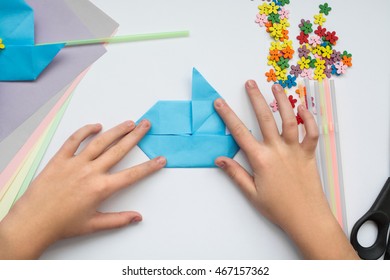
[[338, 153], [333, 151], [124, 38], [311, 109], [328, 153], [321, 141]]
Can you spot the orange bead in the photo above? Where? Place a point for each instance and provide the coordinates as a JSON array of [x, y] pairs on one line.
[[347, 61], [271, 75]]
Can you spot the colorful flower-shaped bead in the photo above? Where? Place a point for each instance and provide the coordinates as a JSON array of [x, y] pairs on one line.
[[276, 46], [291, 81], [295, 70], [276, 31], [303, 51], [307, 73], [274, 18], [319, 74], [292, 100], [345, 53], [280, 73], [315, 40], [284, 23], [306, 26], [299, 119], [328, 72], [320, 31], [284, 2], [264, 9], [320, 64], [304, 63], [302, 38], [347, 60], [283, 13], [273, 8], [261, 19], [326, 51], [341, 68], [331, 37], [335, 56], [288, 52], [325, 9], [319, 19], [271, 76], [274, 55], [274, 106]]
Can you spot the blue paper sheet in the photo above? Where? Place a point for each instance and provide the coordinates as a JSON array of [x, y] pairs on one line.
[[188, 133], [21, 60]]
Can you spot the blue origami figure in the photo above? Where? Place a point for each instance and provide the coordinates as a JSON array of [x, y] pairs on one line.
[[20, 59], [188, 133]]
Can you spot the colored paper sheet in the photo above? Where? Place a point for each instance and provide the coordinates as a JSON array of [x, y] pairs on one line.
[[99, 20], [54, 21], [18, 185], [12, 170], [100, 25], [12, 144], [188, 133]]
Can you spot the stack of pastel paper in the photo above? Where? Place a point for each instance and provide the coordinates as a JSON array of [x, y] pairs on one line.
[[31, 110]]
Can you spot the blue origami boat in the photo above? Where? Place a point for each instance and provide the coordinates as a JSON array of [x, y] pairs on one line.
[[21, 60], [188, 133]]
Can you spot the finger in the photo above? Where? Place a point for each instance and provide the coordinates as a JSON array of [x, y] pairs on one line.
[[309, 143], [264, 115], [117, 151], [134, 174], [103, 141], [238, 130], [71, 145], [238, 174], [104, 221], [289, 121]]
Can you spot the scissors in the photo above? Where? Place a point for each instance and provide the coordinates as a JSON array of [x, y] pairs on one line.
[[379, 213]]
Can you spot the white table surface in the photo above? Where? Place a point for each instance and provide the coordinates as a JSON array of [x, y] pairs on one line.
[[199, 213]]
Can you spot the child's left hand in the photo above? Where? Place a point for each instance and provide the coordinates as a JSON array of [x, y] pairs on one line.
[[63, 200]]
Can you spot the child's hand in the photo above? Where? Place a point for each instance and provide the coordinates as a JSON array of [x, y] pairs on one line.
[[285, 185], [63, 200]]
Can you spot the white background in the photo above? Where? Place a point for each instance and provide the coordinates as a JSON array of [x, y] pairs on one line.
[[199, 213]]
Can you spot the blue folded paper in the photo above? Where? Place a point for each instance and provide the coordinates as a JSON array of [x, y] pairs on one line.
[[188, 133], [20, 59]]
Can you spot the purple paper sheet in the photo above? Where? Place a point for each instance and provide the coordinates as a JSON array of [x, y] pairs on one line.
[[54, 21]]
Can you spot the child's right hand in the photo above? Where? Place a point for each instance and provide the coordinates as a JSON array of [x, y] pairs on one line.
[[285, 185]]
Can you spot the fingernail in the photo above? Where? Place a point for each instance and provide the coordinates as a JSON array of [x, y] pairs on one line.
[[251, 84], [129, 124], [278, 88], [220, 164], [161, 161], [219, 103], [136, 220], [144, 124]]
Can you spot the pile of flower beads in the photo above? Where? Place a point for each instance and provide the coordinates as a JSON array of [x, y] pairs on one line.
[[318, 58]]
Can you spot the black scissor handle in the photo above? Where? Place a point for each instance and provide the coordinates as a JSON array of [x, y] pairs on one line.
[[379, 247], [379, 213]]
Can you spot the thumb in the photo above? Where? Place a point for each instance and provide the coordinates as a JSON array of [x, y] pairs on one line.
[[238, 174], [104, 221]]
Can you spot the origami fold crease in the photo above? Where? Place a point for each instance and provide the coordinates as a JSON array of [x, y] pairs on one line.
[[188, 133], [21, 60]]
